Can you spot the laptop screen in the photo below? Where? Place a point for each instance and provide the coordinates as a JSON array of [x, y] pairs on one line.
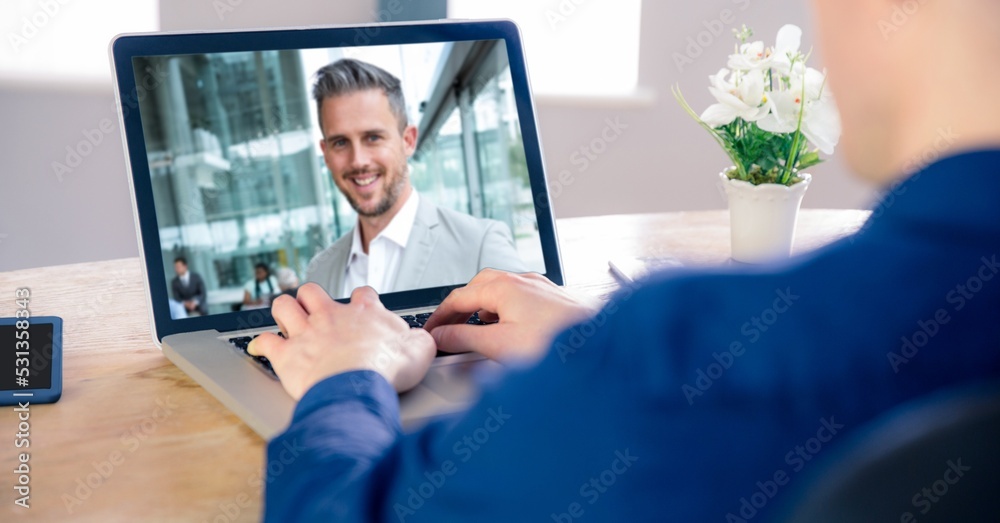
[[400, 166]]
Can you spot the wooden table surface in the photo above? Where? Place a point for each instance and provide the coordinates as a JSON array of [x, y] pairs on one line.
[[134, 439]]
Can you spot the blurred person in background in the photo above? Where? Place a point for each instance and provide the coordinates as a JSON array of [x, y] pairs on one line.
[[259, 291]]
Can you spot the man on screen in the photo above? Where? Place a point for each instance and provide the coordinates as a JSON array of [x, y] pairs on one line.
[[401, 241], [188, 289]]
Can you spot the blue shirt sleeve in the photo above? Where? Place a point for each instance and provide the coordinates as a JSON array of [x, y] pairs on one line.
[[323, 466]]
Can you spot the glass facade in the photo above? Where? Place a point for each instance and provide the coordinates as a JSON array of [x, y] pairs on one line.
[[236, 175]]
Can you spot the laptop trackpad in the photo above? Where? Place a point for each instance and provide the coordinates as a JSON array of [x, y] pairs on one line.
[[445, 389]]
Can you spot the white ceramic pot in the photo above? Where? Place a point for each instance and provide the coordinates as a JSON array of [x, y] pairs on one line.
[[762, 218]]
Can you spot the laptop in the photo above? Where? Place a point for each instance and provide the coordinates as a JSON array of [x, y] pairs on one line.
[[239, 196]]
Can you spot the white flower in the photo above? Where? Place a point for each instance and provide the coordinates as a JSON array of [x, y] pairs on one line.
[[751, 57], [786, 49], [808, 92], [821, 126], [783, 113], [815, 83], [739, 96]]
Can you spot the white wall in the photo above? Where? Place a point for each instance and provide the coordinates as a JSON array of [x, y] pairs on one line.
[[78, 216], [662, 161]]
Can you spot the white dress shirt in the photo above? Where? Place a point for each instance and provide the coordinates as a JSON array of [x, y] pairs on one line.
[[186, 281], [378, 268]]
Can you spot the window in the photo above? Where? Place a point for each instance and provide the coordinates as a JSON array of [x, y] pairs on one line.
[[68, 41], [474, 161], [573, 47], [440, 169]]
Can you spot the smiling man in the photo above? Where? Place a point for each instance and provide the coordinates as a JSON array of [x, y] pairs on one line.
[[401, 241]]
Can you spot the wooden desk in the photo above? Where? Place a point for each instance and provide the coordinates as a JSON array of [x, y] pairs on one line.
[[134, 439]]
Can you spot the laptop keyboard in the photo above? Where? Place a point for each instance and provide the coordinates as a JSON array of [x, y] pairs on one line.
[[243, 342], [415, 321]]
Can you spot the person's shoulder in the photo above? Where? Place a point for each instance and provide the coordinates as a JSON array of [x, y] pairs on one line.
[[341, 246]]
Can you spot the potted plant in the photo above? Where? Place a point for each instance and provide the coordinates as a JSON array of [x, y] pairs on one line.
[[773, 117]]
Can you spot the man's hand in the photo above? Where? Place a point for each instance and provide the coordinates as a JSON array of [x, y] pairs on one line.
[[325, 337], [528, 308]]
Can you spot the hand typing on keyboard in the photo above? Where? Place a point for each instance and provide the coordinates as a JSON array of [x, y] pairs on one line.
[[527, 310], [324, 337]]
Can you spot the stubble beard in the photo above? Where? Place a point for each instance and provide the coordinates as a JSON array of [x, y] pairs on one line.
[[392, 192]]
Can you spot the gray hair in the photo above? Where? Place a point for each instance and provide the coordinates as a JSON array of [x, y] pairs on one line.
[[347, 76]]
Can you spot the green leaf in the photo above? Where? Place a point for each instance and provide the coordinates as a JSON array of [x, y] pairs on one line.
[[808, 160], [727, 142]]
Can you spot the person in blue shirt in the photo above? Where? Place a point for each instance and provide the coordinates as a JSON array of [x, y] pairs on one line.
[[700, 395]]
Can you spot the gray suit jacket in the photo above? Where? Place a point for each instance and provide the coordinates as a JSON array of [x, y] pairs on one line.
[[445, 248]]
